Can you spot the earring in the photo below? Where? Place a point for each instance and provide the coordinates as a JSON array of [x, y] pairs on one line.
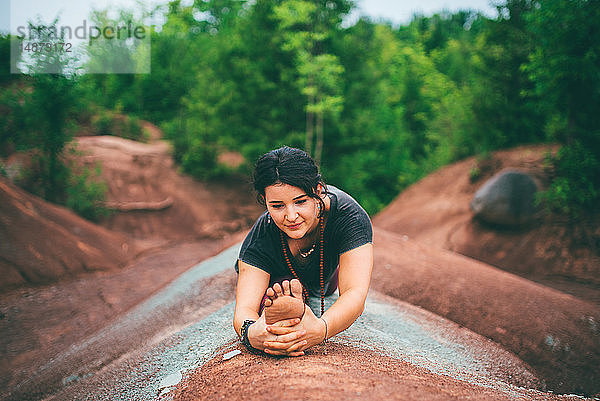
[[268, 217]]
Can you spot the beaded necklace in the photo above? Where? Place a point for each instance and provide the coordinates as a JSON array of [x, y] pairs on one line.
[[289, 264]]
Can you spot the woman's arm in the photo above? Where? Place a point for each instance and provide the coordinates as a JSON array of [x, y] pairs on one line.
[[354, 280], [251, 286]]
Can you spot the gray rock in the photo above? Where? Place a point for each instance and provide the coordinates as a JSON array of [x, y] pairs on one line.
[[508, 199]]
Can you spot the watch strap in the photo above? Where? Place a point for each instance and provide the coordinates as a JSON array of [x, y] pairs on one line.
[[244, 336]]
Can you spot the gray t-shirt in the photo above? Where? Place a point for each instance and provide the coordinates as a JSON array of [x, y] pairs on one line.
[[347, 227]]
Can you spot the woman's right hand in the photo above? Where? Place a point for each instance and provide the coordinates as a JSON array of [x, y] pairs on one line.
[[258, 335]]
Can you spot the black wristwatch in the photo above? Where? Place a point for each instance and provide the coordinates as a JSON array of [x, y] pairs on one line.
[[244, 336]]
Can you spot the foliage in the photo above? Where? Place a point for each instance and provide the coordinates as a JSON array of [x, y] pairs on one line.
[[379, 106], [6, 61], [306, 26], [107, 122], [573, 191], [47, 109], [3, 172], [505, 111], [565, 67], [40, 117], [86, 193]]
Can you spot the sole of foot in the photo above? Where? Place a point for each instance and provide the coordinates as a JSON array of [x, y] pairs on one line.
[[284, 302]]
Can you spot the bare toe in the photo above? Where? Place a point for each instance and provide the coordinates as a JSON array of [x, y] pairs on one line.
[[270, 293], [278, 290], [286, 287], [287, 302], [296, 288]]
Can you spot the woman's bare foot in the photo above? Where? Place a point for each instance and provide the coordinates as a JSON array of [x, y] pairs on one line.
[[284, 302]]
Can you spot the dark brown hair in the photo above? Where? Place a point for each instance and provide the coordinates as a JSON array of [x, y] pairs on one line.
[[290, 166]]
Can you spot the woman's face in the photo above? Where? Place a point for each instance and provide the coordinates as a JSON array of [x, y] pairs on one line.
[[292, 210]]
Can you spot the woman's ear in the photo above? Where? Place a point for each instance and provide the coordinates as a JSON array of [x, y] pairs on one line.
[[319, 189]]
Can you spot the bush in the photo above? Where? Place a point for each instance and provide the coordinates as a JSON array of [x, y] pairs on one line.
[[109, 123], [78, 188], [575, 189], [200, 160], [102, 123], [86, 194]]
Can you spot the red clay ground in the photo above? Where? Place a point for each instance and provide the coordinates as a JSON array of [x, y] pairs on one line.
[[40, 242], [144, 175], [182, 220], [555, 333], [332, 372]]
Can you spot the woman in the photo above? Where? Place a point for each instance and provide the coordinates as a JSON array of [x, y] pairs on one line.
[[311, 240]]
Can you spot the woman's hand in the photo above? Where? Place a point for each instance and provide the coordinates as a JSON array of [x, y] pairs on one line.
[[293, 340], [259, 335]]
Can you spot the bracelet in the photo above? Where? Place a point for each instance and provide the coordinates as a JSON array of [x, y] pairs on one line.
[[325, 321], [244, 336]]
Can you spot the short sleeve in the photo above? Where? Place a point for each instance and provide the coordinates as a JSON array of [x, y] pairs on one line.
[[257, 248], [253, 257], [352, 225], [355, 230]]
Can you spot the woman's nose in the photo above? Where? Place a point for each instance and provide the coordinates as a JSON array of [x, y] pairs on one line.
[[291, 213]]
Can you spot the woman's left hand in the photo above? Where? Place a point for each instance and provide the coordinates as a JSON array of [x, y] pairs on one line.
[[292, 341]]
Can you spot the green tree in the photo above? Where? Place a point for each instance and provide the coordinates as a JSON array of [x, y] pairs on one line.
[[385, 136], [565, 68], [11, 115], [41, 112], [244, 95], [44, 112], [506, 112], [307, 25]]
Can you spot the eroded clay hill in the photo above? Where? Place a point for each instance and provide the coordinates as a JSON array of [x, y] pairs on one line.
[[435, 211], [152, 206], [153, 201], [157, 209], [41, 242]]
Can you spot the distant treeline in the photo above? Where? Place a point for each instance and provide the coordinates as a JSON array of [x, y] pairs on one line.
[[378, 105]]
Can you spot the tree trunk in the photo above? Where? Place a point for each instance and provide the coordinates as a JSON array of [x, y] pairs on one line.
[[310, 117], [319, 145]]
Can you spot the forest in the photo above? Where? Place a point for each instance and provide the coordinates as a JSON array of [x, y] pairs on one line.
[[378, 106]]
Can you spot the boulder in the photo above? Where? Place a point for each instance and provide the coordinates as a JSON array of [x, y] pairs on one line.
[[508, 199]]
